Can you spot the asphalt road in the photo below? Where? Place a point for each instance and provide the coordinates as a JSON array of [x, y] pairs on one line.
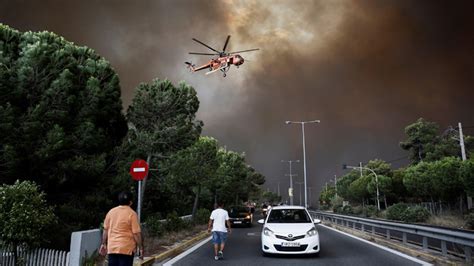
[[243, 248]]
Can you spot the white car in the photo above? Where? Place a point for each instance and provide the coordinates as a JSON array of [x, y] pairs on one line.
[[289, 230]]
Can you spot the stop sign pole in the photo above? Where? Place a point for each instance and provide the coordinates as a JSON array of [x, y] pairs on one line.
[[139, 170]]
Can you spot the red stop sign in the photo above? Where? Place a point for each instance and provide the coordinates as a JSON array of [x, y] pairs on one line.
[[139, 169]]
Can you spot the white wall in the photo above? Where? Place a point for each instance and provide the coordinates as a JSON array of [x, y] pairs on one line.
[[83, 243]]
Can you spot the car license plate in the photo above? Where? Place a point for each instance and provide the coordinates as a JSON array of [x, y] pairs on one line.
[[290, 244], [237, 222]]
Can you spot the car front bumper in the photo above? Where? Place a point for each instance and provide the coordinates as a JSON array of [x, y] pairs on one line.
[[307, 245]]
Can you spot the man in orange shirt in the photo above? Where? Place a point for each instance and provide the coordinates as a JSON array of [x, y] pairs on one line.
[[122, 233]]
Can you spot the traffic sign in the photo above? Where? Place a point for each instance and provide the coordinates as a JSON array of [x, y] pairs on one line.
[[139, 170]]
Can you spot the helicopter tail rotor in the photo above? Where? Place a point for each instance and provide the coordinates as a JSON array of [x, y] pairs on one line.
[[190, 66]]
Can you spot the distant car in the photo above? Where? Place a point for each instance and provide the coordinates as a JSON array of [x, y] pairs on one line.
[[289, 230], [240, 215]]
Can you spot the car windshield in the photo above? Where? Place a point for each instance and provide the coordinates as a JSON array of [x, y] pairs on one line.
[[288, 216], [237, 210]]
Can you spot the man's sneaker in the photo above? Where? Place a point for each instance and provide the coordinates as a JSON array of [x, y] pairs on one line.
[[221, 255], [216, 258]]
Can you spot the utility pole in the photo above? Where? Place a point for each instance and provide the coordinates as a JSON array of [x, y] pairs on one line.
[[300, 183], [463, 155], [304, 152], [335, 183], [309, 188], [278, 188], [290, 191]]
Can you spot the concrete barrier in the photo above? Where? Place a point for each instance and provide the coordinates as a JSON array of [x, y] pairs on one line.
[[83, 245]]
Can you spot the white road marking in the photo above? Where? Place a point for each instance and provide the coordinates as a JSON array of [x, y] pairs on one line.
[[424, 263], [187, 252]]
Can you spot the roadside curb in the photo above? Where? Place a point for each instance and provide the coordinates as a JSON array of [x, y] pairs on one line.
[[410, 250], [173, 251]]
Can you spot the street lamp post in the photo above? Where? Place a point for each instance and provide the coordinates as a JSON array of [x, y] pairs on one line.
[[309, 188], [335, 183], [345, 166], [300, 183], [291, 178], [304, 153]]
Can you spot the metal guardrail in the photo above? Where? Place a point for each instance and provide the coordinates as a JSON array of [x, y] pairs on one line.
[[463, 238]]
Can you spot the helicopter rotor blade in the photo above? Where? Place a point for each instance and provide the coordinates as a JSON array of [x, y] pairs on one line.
[[198, 41], [244, 51], [203, 53], [226, 42]]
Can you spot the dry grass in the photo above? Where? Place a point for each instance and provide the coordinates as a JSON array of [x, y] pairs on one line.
[[156, 245], [448, 220]]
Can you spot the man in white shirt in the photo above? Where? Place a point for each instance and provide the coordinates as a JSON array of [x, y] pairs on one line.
[[219, 218]]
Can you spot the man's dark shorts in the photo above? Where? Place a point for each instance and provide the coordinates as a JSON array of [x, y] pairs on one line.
[[218, 237], [120, 260]]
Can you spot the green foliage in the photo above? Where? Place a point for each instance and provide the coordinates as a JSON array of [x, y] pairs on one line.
[[337, 208], [327, 194], [467, 176], [396, 211], [25, 216], [422, 138], [153, 225], [365, 211], [406, 213], [417, 179], [344, 182], [416, 214], [162, 121], [446, 178], [470, 220], [174, 223], [235, 180], [60, 121], [370, 211], [270, 197], [195, 166], [162, 118], [358, 189], [202, 216], [435, 180], [347, 210]]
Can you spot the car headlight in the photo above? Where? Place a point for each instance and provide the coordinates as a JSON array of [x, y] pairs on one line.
[[247, 217], [267, 231], [312, 232]]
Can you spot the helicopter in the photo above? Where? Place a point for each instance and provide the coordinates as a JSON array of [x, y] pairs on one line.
[[223, 61]]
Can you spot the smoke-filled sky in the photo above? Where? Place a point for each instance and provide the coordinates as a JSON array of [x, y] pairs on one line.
[[366, 69]]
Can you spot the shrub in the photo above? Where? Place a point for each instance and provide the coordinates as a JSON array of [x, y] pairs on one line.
[[406, 213], [370, 211], [337, 208], [396, 212], [202, 216], [347, 209], [336, 201], [174, 223], [358, 210], [153, 225], [416, 214], [470, 220]]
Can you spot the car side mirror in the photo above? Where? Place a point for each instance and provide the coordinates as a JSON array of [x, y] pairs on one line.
[[261, 221], [317, 221]]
